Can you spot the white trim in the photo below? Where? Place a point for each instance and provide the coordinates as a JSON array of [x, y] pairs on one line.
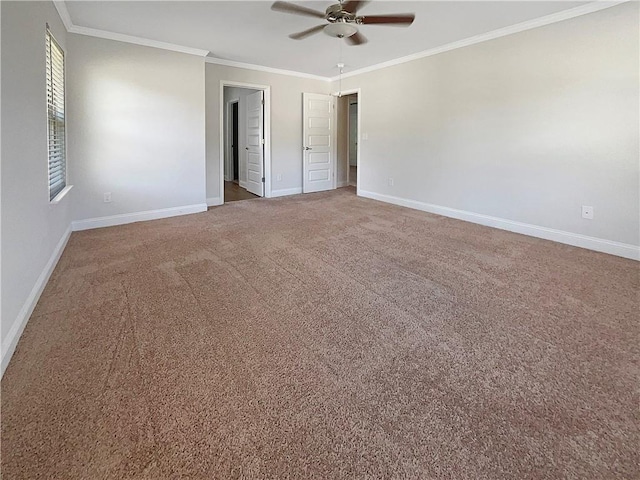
[[261, 68], [343, 183], [243, 184], [251, 86], [577, 240], [286, 191], [61, 7], [10, 342], [119, 37], [501, 32], [124, 218], [63, 193], [63, 12], [214, 201]]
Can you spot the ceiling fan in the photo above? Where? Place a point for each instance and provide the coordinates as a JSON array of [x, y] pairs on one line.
[[342, 18]]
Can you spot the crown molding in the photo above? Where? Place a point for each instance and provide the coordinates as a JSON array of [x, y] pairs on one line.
[[61, 7], [501, 32], [119, 37], [261, 68]]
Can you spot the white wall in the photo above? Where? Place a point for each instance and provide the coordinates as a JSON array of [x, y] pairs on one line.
[[33, 230], [286, 122], [527, 127], [136, 128]]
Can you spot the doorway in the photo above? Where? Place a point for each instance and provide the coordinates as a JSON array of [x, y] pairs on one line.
[[235, 175], [245, 161], [233, 191], [352, 153], [349, 106]]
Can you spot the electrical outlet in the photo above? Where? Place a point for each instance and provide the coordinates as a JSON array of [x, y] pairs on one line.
[[390, 181], [587, 212], [279, 177], [107, 197]]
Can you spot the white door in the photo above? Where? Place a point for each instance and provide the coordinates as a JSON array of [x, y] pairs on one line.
[[255, 143], [318, 134]]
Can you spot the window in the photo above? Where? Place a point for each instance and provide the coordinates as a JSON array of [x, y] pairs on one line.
[[55, 117]]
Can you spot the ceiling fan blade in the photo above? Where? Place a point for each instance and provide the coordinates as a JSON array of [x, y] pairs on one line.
[[356, 39], [306, 33], [352, 6], [403, 19], [287, 7]]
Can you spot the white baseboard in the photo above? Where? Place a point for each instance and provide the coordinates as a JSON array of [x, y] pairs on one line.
[[125, 218], [286, 191], [344, 183], [10, 341], [243, 184], [214, 201], [592, 243]]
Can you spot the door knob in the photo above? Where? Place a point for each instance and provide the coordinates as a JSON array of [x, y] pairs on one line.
[[308, 148]]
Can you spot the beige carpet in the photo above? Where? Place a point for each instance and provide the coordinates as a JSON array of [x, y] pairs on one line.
[[326, 336]]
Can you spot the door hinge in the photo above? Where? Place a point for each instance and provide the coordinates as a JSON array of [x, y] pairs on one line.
[[262, 101], [262, 179], [263, 141]]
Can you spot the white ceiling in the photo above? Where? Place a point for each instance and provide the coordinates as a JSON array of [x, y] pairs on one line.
[[250, 32]]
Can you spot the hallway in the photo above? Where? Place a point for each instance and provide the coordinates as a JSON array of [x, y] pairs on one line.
[[234, 192]]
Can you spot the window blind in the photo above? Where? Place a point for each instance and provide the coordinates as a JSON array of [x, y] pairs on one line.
[[55, 116]]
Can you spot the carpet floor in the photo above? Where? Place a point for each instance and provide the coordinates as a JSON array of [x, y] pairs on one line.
[[326, 336]]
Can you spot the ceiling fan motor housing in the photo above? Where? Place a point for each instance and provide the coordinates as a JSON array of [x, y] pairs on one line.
[[342, 19], [335, 13]]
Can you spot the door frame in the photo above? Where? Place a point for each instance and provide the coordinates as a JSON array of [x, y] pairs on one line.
[[228, 152], [344, 93], [349, 127], [267, 132]]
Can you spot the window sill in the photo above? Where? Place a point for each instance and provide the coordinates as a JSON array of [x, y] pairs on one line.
[[61, 195]]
